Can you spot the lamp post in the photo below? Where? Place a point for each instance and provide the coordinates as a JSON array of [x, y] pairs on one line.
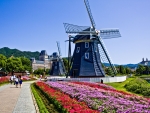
[[44, 69]]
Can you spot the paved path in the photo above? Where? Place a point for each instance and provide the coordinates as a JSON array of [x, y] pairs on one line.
[[16, 100]]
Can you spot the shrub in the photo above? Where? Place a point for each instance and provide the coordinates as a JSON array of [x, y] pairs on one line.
[[138, 86]]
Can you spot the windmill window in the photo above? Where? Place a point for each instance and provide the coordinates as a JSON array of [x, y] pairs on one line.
[[78, 49], [86, 44], [86, 55]]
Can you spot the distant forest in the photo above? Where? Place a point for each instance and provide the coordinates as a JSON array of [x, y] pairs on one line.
[[17, 53]]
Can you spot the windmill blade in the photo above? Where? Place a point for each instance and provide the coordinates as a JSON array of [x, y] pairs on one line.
[[89, 13], [110, 33], [105, 56], [75, 29], [59, 50]]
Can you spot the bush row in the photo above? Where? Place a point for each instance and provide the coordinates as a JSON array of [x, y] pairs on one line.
[[51, 108], [51, 104], [41, 106], [138, 86]]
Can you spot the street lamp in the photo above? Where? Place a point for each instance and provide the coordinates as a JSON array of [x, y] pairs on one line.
[[44, 69]]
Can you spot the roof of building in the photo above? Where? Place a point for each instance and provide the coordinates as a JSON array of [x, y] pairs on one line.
[[145, 62], [43, 52], [39, 62]]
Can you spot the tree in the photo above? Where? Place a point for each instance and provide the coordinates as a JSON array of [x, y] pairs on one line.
[[128, 71], [14, 64], [140, 69], [108, 71], [147, 69], [47, 71], [2, 61], [121, 69], [26, 63], [65, 60], [39, 71]]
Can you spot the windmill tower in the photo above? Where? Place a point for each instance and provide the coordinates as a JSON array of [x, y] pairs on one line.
[[89, 52], [58, 67]]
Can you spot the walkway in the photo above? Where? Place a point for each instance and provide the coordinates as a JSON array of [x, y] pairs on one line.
[[16, 100]]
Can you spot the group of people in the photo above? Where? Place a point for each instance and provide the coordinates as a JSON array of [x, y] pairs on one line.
[[16, 80]]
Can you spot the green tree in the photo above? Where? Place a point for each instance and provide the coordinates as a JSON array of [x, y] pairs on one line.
[[147, 69], [26, 63], [108, 71], [121, 69], [2, 61], [65, 60], [39, 71], [128, 71], [47, 72], [140, 69], [14, 64]]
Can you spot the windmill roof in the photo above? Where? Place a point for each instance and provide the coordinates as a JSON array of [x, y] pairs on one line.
[[82, 37]]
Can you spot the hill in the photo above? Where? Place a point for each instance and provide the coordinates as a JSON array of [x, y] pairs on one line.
[[17, 53], [125, 65]]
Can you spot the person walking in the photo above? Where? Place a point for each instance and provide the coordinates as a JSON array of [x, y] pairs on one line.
[[20, 80], [40, 77], [16, 81], [11, 79], [14, 77]]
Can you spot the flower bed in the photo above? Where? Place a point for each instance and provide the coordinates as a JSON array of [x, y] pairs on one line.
[[27, 78], [104, 99], [4, 79], [63, 100], [102, 86]]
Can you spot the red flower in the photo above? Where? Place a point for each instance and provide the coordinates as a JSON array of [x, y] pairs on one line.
[[71, 105]]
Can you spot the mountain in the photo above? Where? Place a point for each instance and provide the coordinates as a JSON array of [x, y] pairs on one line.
[[131, 65], [125, 65], [17, 53]]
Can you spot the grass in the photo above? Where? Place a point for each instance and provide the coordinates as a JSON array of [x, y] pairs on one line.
[[144, 76], [4, 83], [120, 85], [41, 106]]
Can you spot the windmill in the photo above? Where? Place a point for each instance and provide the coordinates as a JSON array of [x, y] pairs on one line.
[[90, 51], [58, 67]]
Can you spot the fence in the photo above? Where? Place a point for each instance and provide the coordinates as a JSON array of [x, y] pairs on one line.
[[105, 79]]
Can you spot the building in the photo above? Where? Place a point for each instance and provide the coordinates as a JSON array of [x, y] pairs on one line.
[[44, 61], [145, 62]]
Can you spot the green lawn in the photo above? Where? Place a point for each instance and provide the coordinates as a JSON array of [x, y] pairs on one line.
[[3, 83], [120, 85]]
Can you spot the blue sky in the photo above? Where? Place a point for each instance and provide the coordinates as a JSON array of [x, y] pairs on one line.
[[35, 25]]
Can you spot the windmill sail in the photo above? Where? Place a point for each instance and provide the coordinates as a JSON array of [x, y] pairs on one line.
[[89, 13], [59, 50], [75, 29], [110, 33], [105, 57]]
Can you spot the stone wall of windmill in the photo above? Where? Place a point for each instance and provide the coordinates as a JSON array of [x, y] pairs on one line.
[[44, 61]]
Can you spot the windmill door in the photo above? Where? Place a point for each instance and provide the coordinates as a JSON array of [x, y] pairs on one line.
[[75, 72]]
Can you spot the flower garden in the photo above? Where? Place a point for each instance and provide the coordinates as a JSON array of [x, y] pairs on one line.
[[4, 80], [79, 97]]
